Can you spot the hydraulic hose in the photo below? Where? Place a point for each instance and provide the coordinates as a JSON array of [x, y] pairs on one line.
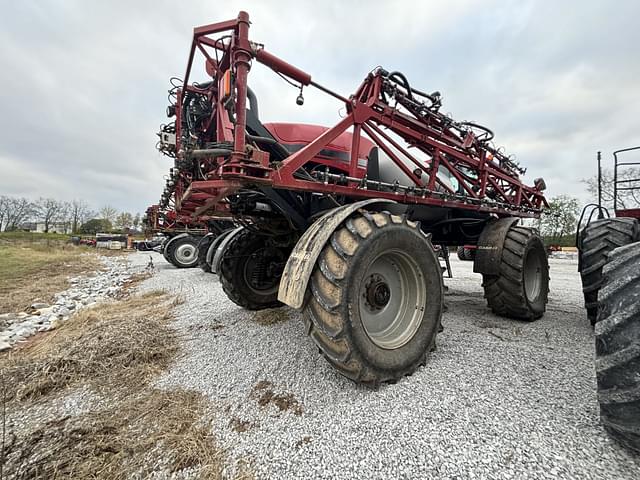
[[253, 102]]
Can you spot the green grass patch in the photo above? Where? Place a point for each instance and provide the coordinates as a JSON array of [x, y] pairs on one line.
[[32, 236]]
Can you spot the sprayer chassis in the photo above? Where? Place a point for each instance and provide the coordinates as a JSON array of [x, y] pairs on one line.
[[320, 227], [366, 112]]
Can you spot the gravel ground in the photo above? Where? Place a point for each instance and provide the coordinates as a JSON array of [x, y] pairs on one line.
[[498, 399]]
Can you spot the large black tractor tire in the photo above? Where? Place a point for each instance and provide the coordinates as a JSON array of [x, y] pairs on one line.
[[251, 268], [182, 252], [618, 346], [203, 247], [597, 240], [165, 251], [376, 299], [521, 288]]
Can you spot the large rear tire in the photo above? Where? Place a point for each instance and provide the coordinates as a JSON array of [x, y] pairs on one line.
[[597, 240], [375, 300], [183, 252], [618, 346], [521, 288], [251, 269]]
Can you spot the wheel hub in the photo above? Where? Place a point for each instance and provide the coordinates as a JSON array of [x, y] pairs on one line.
[[377, 292], [185, 253]]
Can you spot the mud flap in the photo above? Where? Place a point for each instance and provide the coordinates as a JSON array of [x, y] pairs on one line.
[[490, 244], [297, 271]]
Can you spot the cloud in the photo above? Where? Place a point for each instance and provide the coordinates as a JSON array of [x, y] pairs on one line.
[[84, 83]]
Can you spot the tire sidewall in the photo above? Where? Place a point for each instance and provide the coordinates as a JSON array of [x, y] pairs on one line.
[[237, 271], [535, 246], [202, 249], [394, 237], [165, 250], [177, 243]]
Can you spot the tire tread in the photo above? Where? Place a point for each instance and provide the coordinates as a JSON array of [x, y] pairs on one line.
[[617, 333]]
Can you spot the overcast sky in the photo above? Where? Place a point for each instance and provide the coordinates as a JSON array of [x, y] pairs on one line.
[[84, 83]]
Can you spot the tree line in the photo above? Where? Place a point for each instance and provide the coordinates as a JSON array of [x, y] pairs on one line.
[[76, 216], [559, 223]]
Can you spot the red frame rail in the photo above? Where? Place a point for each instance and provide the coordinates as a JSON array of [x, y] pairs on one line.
[[487, 183]]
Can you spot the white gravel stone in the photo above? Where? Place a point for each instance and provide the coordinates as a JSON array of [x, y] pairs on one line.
[[520, 406], [85, 291]]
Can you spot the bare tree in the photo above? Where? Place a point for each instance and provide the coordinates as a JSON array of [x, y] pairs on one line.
[[78, 213], [4, 206], [561, 218], [17, 211], [626, 198], [65, 216], [136, 220], [108, 213], [49, 211], [124, 221]]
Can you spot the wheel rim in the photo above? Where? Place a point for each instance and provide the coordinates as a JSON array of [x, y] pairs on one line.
[[185, 253], [532, 275], [392, 299]]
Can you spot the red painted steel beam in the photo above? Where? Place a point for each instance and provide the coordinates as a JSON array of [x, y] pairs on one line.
[[427, 130], [310, 151], [280, 66]]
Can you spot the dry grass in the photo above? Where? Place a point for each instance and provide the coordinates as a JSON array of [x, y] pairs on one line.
[[30, 271], [129, 286], [115, 349], [129, 339], [154, 430]]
